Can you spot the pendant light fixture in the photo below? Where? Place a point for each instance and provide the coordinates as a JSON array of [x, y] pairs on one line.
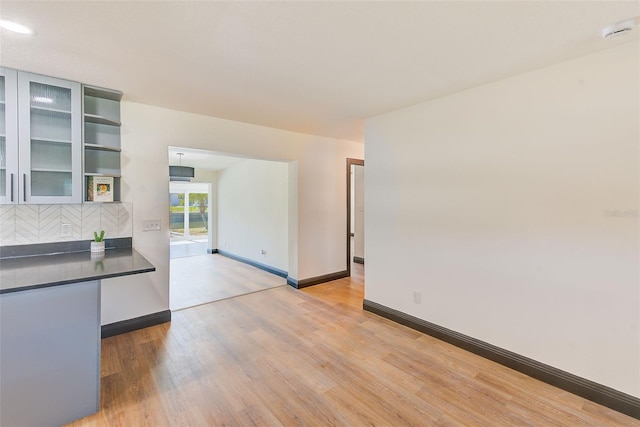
[[181, 173]]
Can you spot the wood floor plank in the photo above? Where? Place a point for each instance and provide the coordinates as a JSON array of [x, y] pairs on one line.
[[283, 357]]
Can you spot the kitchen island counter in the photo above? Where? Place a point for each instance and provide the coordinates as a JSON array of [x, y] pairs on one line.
[[41, 271], [50, 333]]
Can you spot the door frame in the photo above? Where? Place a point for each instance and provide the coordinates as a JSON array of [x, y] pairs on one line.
[[350, 162]]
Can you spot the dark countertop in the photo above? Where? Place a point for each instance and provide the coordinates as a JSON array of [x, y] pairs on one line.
[[41, 271]]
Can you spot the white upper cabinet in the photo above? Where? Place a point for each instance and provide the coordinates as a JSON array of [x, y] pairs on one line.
[[44, 156], [8, 136], [50, 135]]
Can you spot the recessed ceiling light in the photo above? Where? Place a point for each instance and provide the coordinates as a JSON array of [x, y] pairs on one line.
[[15, 27], [619, 28]]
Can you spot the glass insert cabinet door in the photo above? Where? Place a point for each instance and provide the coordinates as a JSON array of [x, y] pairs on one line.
[[50, 131], [8, 136]]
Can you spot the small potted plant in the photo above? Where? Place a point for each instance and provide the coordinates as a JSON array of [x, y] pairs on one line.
[[98, 242]]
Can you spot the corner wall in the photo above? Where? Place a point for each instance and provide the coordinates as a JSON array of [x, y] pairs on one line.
[[513, 209], [253, 212]]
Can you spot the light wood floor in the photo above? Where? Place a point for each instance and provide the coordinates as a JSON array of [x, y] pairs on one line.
[[283, 357], [206, 278]]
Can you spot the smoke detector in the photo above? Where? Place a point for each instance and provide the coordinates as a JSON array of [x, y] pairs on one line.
[[619, 28]]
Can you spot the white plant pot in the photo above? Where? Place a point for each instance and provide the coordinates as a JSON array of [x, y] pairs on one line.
[[97, 247]]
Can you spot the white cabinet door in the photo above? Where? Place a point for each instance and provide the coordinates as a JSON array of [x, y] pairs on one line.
[[8, 136], [49, 133]]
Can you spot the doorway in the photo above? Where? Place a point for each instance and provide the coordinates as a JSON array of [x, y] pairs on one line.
[[355, 212], [229, 228], [189, 218]]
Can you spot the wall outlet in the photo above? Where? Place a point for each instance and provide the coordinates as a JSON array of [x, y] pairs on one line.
[[417, 297], [65, 230], [151, 225]]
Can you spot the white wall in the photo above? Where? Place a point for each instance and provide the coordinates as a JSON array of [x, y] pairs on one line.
[[513, 209], [317, 192], [253, 211]]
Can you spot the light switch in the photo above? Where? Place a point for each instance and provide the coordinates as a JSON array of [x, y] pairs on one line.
[[151, 225]]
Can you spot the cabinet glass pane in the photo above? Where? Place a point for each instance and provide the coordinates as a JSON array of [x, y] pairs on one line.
[[50, 125], [3, 165], [3, 152], [3, 120], [53, 97], [3, 128], [50, 156], [51, 183]]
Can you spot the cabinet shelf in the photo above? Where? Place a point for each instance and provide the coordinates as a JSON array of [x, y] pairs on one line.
[[51, 110], [102, 128], [98, 92], [51, 170], [93, 201], [101, 147], [56, 141], [94, 118], [102, 174]]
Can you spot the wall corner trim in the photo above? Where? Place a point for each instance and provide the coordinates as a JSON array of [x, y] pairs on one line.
[[212, 251], [582, 387], [136, 323]]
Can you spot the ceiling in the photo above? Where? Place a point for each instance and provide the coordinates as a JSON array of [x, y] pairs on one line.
[[312, 67], [201, 159]]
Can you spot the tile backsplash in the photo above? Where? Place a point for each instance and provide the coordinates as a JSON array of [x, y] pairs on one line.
[[27, 224]]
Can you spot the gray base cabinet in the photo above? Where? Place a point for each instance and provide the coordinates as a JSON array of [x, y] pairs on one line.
[[50, 354]]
